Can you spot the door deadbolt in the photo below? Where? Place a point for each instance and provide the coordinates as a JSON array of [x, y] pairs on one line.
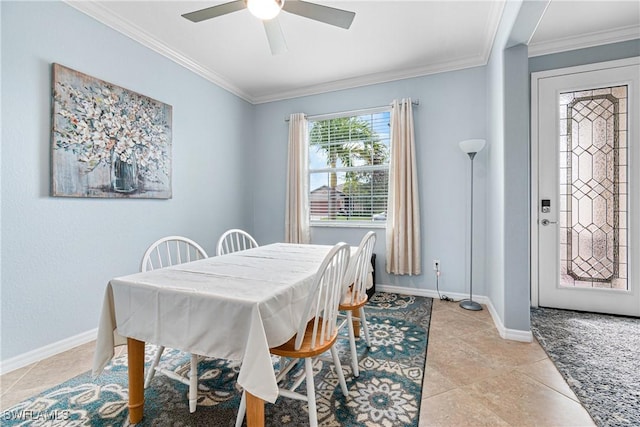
[[545, 205], [547, 222]]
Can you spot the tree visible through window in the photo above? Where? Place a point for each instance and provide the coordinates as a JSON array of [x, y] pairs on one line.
[[349, 167]]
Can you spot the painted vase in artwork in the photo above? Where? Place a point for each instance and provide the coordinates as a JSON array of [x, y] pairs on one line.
[[124, 173]]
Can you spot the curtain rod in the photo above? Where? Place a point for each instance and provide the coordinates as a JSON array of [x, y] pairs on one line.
[[370, 110]]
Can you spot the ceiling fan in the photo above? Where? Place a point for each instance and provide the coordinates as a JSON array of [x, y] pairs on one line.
[[268, 10]]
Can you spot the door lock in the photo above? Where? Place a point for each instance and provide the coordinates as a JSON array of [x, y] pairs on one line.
[[545, 205], [547, 222]]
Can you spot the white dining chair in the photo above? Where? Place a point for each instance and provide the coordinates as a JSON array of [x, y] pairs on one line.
[[165, 252], [235, 240], [314, 336], [355, 296]]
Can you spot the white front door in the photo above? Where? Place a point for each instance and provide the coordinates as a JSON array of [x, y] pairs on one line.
[[586, 188]]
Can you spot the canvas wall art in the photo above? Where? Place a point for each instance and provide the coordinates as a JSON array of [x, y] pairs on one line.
[[108, 141]]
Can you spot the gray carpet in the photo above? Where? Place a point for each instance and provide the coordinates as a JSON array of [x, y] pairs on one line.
[[599, 357]]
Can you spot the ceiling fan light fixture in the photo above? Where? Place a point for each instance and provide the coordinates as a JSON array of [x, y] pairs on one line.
[[265, 9]]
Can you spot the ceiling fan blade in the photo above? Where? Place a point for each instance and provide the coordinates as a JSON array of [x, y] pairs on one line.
[[275, 36], [328, 15], [214, 11]]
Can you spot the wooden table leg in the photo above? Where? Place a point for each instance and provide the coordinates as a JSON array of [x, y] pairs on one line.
[[255, 411], [135, 354], [356, 323]]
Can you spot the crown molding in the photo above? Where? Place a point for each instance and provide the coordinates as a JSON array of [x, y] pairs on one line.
[[491, 29], [127, 28], [585, 40], [372, 79], [116, 22]]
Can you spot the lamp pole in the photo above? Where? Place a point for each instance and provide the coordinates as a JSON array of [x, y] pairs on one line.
[[471, 147]]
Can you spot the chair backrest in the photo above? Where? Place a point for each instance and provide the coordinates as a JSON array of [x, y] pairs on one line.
[[235, 240], [171, 250], [359, 270], [324, 298]]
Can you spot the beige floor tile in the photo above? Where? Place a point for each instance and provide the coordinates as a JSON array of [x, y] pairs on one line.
[[48, 373], [461, 363], [547, 373], [66, 365], [435, 382], [482, 315], [450, 323], [456, 408], [522, 401], [20, 394], [10, 386], [8, 380], [439, 305], [505, 352]]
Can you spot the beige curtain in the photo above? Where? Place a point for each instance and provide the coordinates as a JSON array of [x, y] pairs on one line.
[[403, 210], [297, 204]]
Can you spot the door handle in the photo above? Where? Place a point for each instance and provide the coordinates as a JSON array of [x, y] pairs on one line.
[[546, 222]]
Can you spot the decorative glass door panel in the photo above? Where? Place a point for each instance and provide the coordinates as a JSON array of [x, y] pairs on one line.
[[593, 188]]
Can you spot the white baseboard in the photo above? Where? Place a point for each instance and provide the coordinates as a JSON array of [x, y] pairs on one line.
[[508, 334], [49, 350], [68, 343], [429, 293]]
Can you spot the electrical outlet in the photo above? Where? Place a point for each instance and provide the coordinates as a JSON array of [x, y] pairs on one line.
[[436, 265]]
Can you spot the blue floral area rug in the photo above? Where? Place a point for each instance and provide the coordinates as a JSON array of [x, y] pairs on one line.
[[387, 392], [599, 357]]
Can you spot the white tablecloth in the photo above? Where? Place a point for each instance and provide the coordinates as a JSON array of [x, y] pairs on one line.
[[234, 306]]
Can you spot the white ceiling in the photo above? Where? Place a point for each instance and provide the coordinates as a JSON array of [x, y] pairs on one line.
[[388, 40]]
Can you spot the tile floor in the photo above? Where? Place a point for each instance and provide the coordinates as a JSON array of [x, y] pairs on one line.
[[473, 377]]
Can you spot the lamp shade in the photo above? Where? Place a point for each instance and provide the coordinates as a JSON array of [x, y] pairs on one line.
[[265, 9], [472, 145]]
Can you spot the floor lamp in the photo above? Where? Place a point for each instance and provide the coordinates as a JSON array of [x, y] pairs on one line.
[[471, 147]]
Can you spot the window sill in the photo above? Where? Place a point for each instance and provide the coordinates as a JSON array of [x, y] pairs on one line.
[[349, 224]]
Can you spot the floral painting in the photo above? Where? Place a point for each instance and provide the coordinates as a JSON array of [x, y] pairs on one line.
[[108, 141]]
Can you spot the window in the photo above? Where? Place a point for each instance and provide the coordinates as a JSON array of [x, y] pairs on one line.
[[593, 189], [349, 167]]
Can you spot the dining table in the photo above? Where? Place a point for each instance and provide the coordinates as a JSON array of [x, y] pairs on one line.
[[234, 307]]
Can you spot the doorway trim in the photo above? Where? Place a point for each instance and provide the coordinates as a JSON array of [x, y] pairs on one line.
[[535, 80]]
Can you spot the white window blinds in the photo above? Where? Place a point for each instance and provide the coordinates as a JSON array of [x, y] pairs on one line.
[[349, 167]]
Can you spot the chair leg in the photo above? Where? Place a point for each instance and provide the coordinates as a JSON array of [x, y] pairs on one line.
[[193, 384], [242, 409], [311, 393], [363, 322], [338, 366], [352, 345], [152, 368]]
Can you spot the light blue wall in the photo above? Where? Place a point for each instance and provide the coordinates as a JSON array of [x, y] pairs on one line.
[[517, 266], [495, 242], [509, 261], [452, 108], [58, 253], [591, 55]]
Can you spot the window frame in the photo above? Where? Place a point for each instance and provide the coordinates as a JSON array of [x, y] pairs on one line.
[[371, 223]]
